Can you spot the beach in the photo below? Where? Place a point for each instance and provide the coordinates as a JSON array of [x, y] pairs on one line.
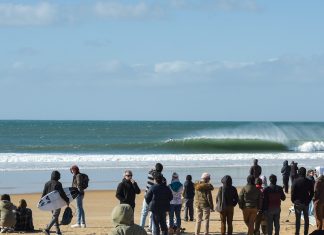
[[99, 204]]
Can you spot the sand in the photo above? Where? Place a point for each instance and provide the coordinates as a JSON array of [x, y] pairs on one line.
[[99, 204]]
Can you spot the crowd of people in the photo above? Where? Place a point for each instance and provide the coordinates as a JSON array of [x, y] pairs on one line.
[[260, 203]]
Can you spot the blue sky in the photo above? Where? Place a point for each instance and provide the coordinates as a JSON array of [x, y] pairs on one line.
[[227, 60]]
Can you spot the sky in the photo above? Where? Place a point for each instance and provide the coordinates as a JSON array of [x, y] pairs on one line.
[[208, 60]]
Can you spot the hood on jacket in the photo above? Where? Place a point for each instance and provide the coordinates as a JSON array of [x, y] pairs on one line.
[[175, 185], [55, 175], [285, 163], [250, 180], [227, 181], [202, 186], [6, 204], [123, 214]]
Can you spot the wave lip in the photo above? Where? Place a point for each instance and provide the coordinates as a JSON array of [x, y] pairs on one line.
[[311, 146]]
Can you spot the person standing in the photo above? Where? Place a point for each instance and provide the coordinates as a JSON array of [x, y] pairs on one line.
[[175, 205], [255, 170], [189, 194], [319, 202], [203, 202], [77, 182], [158, 198], [260, 218], [302, 192], [273, 195], [249, 202], [285, 171], [150, 182], [127, 190], [51, 186], [293, 171], [227, 199]]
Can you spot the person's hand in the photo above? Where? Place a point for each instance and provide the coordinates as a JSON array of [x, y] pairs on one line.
[[133, 181]]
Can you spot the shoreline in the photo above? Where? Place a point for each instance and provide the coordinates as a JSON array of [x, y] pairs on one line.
[[98, 205]]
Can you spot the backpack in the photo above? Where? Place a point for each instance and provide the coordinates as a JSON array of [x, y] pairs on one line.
[[84, 181], [67, 216]]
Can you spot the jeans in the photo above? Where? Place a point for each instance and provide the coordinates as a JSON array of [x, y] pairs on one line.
[[80, 211], [159, 221], [175, 209], [189, 208], [202, 212], [285, 180], [54, 221], [299, 209], [144, 213], [273, 218]]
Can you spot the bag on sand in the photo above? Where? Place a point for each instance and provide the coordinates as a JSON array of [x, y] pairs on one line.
[[67, 216]]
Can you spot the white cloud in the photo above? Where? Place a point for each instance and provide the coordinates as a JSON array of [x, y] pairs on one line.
[[197, 66], [118, 10], [23, 14]]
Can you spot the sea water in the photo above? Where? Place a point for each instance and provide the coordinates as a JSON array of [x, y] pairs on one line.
[[30, 150]]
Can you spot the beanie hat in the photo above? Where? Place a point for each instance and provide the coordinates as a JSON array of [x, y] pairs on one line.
[[175, 175], [205, 175]]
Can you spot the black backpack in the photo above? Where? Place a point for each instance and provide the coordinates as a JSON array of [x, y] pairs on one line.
[[67, 216], [84, 181]]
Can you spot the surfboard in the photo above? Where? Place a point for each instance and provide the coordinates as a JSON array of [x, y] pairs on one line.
[[53, 200]]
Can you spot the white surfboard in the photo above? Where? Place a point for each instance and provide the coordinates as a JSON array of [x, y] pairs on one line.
[[53, 200]]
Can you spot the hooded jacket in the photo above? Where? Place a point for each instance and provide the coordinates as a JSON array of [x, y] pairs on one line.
[[176, 189], [126, 192], [285, 170], [203, 195], [54, 184], [227, 194], [249, 196], [123, 219], [7, 215], [319, 190], [293, 169]]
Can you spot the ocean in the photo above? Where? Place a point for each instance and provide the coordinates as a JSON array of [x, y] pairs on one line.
[[30, 150]]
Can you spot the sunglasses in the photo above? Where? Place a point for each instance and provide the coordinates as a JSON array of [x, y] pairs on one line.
[[129, 175]]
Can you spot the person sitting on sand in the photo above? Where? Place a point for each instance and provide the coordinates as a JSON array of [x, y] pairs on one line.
[[24, 217], [7, 214], [123, 219]]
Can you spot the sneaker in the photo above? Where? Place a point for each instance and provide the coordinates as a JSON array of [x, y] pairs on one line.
[[4, 230], [83, 225], [46, 232], [76, 226]]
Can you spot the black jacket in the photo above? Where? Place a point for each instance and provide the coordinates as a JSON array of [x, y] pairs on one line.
[[126, 192], [294, 169], [189, 190], [158, 198], [285, 170], [302, 191], [53, 185], [227, 194]]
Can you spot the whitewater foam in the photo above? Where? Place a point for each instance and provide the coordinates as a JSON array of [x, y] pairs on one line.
[[316, 146]]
